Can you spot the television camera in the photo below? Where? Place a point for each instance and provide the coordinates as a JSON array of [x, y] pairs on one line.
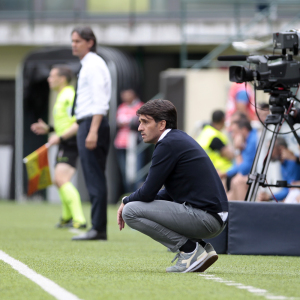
[[276, 75]]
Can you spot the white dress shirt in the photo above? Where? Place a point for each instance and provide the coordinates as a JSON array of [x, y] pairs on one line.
[[164, 134], [93, 87]]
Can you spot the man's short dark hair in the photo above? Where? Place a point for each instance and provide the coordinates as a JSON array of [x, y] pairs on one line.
[[218, 116], [159, 110], [243, 124], [86, 33], [64, 70]]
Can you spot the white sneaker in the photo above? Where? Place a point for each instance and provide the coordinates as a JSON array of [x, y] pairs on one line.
[[211, 258], [188, 261]]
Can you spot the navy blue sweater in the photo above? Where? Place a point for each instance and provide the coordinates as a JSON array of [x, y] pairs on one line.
[[188, 175]]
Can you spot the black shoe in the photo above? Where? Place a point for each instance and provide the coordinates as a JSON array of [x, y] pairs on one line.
[[64, 223], [91, 235]]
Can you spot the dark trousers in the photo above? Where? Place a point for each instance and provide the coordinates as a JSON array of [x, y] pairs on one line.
[[93, 164]]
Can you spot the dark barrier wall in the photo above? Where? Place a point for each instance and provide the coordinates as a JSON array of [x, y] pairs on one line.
[[264, 228], [260, 229]]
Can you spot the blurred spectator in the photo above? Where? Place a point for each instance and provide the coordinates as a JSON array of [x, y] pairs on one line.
[[237, 116], [215, 142], [240, 98], [294, 193], [244, 141], [290, 170], [239, 185], [126, 116]]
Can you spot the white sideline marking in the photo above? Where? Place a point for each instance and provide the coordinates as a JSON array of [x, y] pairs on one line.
[[251, 289], [46, 284]]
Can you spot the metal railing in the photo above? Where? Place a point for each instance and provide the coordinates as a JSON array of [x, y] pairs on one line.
[[252, 13], [139, 10]]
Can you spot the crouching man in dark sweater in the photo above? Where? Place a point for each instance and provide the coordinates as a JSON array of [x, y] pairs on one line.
[[192, 205]]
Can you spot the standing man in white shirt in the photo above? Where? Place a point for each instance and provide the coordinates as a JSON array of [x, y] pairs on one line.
[[91, 105]]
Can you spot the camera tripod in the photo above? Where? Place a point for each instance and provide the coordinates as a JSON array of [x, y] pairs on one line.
[[278, 101]]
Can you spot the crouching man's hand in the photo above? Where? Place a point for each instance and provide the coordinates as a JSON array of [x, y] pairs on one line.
[[120, 220]]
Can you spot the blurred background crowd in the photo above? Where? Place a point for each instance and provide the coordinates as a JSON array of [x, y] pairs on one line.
[[154, 49]]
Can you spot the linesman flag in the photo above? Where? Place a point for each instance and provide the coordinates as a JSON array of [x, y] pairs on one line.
[[37, 167]]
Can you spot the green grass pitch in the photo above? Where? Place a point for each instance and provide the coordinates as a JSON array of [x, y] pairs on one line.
[[128, 266]]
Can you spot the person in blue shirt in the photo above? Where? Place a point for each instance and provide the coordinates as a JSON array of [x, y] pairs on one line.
[[290, 171], [245, 142]]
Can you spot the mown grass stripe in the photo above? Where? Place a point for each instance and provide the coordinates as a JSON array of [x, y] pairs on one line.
[[46, 284]]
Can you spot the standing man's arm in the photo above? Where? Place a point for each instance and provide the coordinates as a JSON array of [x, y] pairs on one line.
[[92, 138], [100, 85]]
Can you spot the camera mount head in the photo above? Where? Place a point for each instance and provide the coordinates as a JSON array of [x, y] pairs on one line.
[[284, 73], [287, 41]]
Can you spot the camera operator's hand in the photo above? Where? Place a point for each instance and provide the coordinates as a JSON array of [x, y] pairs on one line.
[[263, 196]]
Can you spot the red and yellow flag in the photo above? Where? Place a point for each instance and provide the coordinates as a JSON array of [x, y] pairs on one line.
[[37, 167]]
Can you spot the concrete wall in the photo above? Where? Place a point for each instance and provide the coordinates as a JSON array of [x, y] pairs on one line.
[[206, 90], [10, 58]]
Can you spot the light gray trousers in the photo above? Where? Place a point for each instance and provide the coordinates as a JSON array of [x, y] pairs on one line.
[[170, 223]]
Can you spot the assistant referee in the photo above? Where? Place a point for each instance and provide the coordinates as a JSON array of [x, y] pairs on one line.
[[59, 80]]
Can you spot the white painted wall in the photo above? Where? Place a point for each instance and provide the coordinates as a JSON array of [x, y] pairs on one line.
[[6, 155], [206, 91]]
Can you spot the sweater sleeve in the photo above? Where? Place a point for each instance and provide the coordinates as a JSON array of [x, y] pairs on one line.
[[163, 162], [163, 195]]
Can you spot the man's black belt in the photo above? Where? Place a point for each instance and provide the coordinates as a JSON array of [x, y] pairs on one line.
[[84, 119], [217, 217]]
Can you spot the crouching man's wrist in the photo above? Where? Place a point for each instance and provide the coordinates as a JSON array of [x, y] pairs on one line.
[[125, 200]]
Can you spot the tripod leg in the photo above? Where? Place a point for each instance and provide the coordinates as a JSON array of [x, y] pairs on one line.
[[254, 179], [253, 172]]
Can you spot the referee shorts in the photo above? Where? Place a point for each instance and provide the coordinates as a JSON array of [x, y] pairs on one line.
[[67, 152]]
